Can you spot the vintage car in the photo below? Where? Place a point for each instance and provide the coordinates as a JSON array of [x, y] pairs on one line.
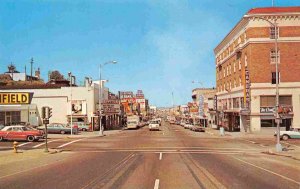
[[291, 134], [154, 125], [82, 126], [59, 128], [20, 132]]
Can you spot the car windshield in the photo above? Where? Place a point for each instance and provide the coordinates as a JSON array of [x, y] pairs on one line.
[[154, 122]]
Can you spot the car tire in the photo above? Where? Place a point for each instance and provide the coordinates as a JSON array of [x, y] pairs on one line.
[[285, 137], [30, 138], [62, 132], [1, 138]]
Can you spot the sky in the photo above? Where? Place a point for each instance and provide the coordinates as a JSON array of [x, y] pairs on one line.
[[161, 46]]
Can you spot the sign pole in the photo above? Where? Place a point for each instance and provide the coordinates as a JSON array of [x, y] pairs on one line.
[[46, 139]]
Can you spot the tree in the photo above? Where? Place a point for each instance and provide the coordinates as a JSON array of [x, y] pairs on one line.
[[56, 75]]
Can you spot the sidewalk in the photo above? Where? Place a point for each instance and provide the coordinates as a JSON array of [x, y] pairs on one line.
[[84, 134], [266, 133], [12, 163]]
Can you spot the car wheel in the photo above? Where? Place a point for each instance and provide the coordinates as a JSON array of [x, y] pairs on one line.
[[30, 138], [285, 137], [1, 138], [62, 132]]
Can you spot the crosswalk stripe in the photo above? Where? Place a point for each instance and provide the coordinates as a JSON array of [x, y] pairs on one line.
[[38, 145], [66, 144], [24, 144]]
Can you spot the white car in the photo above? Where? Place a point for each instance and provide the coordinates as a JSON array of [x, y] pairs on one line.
[[154, 125], [291, 134]]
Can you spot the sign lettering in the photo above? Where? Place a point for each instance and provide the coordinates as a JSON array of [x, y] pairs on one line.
[[15, 98]]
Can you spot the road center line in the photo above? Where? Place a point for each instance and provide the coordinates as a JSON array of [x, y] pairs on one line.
[[284, 177], [24, 144], [66, 144], [160, 155], [38, 145], [156, 184]]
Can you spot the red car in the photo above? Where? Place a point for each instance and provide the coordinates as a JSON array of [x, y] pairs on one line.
[[19, 132]]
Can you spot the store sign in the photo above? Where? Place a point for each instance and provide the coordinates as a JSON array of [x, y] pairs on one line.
[[111, 107], [201, 105], [78, 107], [215, 102], [125, 94], [267, 109], [15, 98], [247, 96], [140, 94]]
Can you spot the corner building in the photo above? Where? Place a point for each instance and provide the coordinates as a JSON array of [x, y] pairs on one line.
[[250, 48]]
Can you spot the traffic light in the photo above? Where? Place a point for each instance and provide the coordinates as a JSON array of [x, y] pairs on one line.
[[44, 112], [49, 112]]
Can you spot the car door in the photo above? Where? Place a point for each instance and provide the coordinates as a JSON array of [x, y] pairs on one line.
[[295, 133]]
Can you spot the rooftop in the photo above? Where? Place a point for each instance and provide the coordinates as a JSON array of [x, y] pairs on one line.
[[270, 10]]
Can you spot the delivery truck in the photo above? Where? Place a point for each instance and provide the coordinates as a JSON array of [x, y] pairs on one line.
[[133, 121]]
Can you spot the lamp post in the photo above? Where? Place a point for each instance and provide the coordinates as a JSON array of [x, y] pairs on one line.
[[274, 24], [100, 94], [71, 96]]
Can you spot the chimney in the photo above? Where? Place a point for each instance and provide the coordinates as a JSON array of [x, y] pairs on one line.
[[38, 73]]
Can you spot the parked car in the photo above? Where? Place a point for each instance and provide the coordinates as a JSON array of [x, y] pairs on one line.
[[59, 128], [197, 128], [20, 132], [291, 134], [154, 125], [82, 126], [187, 125], [1, 126]]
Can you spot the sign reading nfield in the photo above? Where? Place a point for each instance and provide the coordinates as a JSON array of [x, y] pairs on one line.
[[15, 98]]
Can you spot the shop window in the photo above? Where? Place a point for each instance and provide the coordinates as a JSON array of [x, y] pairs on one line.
[[16, 117], [267, 123]]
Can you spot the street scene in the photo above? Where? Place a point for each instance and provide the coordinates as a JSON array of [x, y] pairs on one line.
[[149, 94]]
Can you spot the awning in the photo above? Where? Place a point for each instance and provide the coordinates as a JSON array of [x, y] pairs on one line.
[[4, 108]]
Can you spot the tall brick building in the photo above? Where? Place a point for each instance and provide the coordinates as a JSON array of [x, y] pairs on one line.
[[245, 66]]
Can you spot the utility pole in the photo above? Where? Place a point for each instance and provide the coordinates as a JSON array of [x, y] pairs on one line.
[[31, 62]]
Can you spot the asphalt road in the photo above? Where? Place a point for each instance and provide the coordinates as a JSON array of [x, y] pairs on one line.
[[171, 158]]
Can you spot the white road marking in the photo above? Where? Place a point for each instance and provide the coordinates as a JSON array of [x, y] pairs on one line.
[[291, 144], [24, 144], [66, 144], [43, 143], [156, 184], [250, 141], [160, 155], [284, 177]]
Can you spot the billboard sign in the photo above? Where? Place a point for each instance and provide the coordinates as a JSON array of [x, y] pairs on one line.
[[125, 94], [111, 106], [201, 105], [12, 98]]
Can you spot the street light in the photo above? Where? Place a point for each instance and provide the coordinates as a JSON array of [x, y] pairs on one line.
[[71, 83], [274, 24], [100, 94]]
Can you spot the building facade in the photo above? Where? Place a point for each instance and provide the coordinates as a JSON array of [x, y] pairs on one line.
[[246, 70]]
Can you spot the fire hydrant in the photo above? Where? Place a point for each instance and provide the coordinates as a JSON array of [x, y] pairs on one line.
[[15, 145]]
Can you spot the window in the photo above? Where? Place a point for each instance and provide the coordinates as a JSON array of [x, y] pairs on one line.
[[246, 61], [240, 81], [267, 101], [274, 77], [272, 32], [286, 100], [224, 73], [270, 101], [240, 64], [230, 69], [227, 70], [234, 65], [234, 83], [273, 56]]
